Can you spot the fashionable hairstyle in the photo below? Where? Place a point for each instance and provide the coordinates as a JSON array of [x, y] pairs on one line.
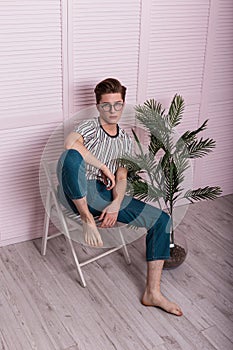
[[109, 86]]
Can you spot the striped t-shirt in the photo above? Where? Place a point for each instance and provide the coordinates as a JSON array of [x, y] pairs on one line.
[[103, 146]]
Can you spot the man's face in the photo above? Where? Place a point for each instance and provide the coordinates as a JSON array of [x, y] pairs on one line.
[[110, 108]]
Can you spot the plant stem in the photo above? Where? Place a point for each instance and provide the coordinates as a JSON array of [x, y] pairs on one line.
[[172, 242]]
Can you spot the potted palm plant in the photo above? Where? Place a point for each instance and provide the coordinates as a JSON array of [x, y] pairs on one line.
[[157, 171]]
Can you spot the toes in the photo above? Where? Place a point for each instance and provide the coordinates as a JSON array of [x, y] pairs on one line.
[[177, 312], [93, 241]]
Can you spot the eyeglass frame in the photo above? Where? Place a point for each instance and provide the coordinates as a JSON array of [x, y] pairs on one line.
[[111, 106]]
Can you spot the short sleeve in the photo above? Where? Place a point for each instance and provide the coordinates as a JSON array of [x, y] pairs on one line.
[[87, 129]]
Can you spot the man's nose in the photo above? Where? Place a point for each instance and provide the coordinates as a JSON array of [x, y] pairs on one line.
[[111, 109]]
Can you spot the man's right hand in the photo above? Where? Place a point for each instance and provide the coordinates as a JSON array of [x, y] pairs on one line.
[[108, 177]]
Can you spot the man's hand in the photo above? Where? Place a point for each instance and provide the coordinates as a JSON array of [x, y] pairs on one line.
[[109, 214], [108, 177]]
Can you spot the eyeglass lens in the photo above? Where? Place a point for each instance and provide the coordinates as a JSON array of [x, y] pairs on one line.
[[107, 107]]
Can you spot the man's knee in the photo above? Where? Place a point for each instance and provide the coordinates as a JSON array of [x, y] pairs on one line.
[[71, 174], [71, 159], [165, 219]]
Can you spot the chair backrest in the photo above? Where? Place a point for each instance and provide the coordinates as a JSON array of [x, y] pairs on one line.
[[50, 172]]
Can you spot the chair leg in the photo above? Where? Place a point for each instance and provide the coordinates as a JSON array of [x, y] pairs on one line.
[[69, 240], [124, 248], [46, 223], [77, 264]]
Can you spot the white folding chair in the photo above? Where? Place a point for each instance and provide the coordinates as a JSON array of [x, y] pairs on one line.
[[70, 222]]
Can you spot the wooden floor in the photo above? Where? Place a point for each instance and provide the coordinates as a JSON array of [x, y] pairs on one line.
[[43, 307]]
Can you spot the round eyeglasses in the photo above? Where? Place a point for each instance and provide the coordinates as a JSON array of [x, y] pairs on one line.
[[107, 107]]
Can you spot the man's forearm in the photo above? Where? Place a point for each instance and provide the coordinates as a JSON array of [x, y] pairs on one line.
[[119, 190]]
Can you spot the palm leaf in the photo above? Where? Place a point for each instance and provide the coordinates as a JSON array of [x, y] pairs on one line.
[[170, 177], [137, 140], [176, 110], [130, 163], [143, 191], [155, 145], [154, 106], [150, 105], [190, 136], [198, 149], [203, 193]]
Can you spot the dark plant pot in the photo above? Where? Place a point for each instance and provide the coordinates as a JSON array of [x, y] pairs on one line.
[[178, 253]]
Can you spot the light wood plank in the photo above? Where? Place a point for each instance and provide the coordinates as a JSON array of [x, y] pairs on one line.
[[27, 291], [220, 320], [217, 338], [10, 328]]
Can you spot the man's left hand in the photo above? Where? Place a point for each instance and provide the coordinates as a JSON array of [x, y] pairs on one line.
[[109, 215]]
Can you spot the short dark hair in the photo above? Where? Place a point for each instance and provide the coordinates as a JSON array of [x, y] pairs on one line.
[[109, 86]]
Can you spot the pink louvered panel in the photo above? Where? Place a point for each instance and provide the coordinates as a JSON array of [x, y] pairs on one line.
[[218, 166], [104, 43], [30, 62], [21, 209], [31, 105], [178, 33], [222, 63], [174, 55]]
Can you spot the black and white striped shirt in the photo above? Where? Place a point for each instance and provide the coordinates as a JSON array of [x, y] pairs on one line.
[[103, 146]]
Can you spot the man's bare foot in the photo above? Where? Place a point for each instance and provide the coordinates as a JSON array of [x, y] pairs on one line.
[[91, 233], [158, 300]]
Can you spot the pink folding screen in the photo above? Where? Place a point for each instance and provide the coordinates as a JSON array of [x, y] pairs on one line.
[[31, 105], [54, 52]]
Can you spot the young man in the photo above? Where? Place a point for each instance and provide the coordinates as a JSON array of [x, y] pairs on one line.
[[93, 183]]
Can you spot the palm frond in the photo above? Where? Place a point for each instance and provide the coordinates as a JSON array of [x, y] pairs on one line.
[[137, 141], [190, 136], [198, 149], [182, 164], [155, 145], [171, 177], [150, 115], [207, 192], [131, 163], [157, 128], [143, 191], [151, 105], [176, 110]]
